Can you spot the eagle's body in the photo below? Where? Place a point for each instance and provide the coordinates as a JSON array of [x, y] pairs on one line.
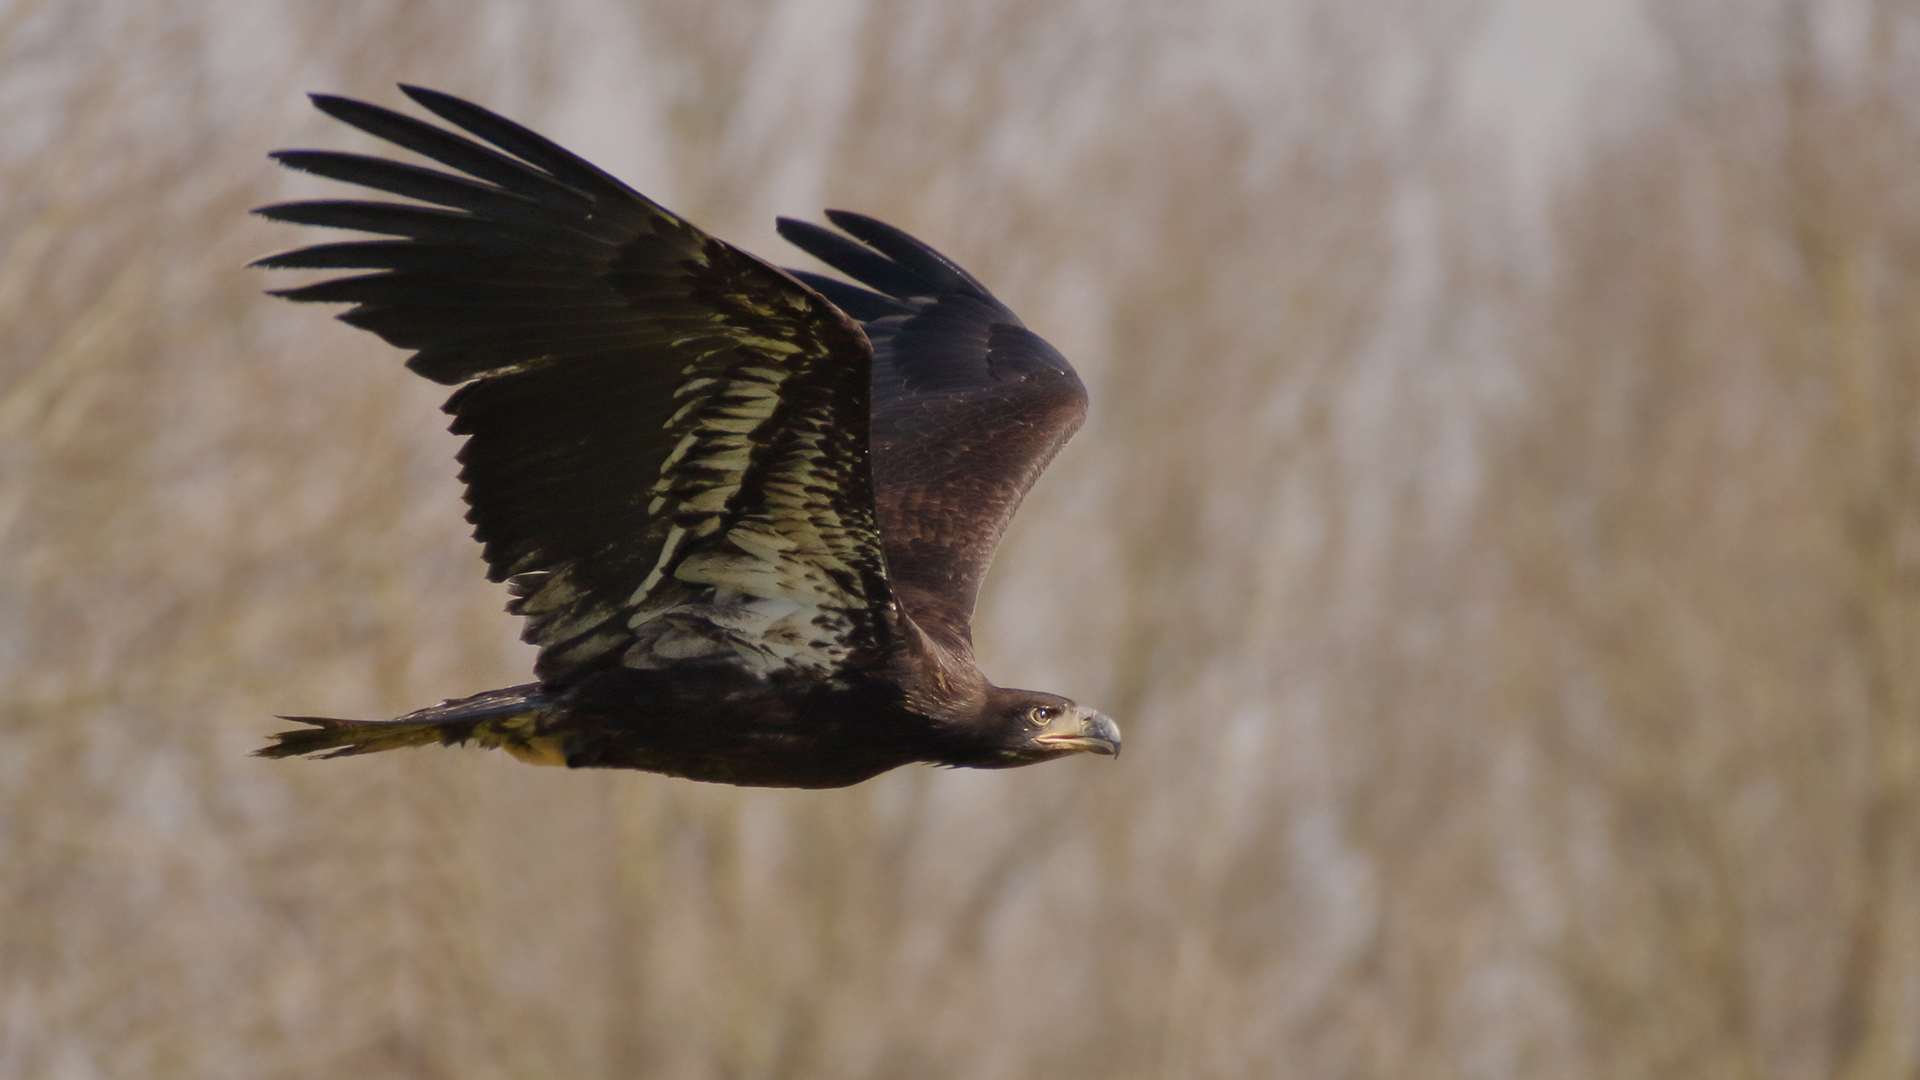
[[705, 723], [745, 512]]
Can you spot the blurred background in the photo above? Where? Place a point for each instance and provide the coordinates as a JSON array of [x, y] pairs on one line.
[[1498, 531]]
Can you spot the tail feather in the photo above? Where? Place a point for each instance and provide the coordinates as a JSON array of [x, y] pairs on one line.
[[344, 738], [509, 719]]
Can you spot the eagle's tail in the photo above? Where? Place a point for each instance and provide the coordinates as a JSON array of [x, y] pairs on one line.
[[510, 719]]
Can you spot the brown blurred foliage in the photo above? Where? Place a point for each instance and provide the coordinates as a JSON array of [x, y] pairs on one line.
[[1515, 627], [1709, 595]]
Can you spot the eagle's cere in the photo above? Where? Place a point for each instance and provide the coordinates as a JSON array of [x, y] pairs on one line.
[[745, 512]]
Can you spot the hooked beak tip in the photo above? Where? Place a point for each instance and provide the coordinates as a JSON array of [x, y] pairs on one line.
[[1104, 734]]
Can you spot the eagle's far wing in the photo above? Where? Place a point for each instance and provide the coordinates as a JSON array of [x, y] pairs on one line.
[[666, 452], [969, 406]]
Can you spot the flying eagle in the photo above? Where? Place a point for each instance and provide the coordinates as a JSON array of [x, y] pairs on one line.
[[744, 511]]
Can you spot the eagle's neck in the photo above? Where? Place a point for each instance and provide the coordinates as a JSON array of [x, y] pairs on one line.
[[942, 681]]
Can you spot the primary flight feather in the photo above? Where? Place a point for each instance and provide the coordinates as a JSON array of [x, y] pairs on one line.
[[745, 511]]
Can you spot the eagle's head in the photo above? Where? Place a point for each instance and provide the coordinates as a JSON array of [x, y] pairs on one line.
[[1020, 727]]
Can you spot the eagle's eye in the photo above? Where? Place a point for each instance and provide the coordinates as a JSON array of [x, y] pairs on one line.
[[1042, 715]]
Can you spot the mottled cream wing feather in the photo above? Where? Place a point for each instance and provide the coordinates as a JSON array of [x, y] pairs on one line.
[[776, 578]]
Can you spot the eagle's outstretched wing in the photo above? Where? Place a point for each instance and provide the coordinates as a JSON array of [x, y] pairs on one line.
[[667, 438], [969, 407]]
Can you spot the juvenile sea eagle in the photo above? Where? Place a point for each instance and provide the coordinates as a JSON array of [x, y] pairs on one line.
[[745, 512]]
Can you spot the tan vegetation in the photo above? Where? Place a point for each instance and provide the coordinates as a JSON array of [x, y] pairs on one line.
[[1515, 633]]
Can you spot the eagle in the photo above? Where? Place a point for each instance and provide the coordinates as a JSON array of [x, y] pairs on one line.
[[744, 511]]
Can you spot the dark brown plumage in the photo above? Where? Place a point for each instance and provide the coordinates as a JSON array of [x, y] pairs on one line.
[[745, 512]]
